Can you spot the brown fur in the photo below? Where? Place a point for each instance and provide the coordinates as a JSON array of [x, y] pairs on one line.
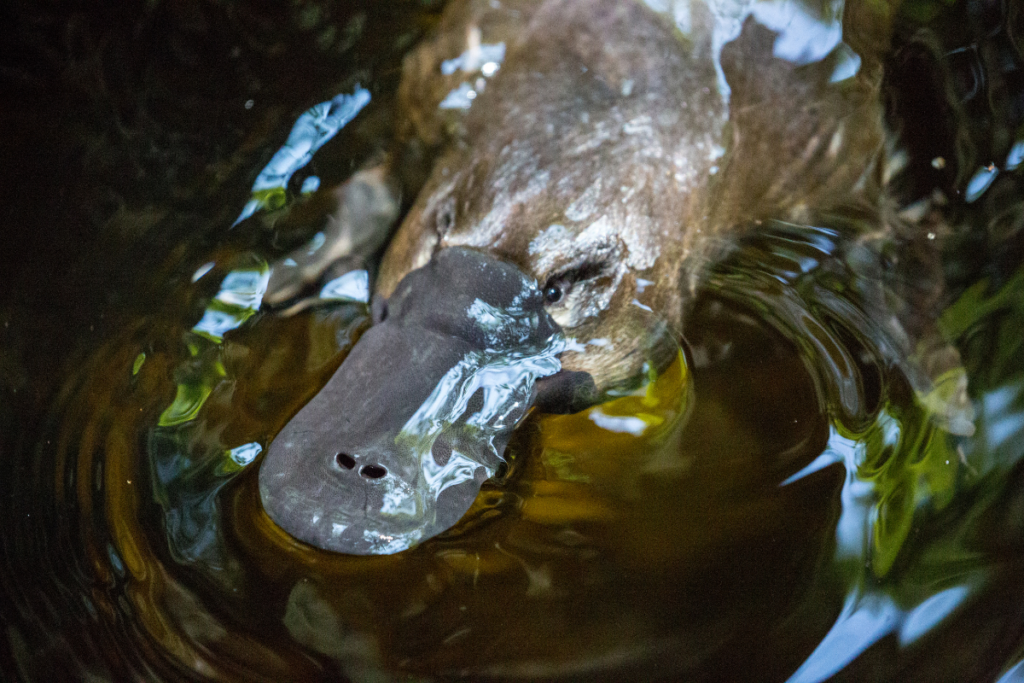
[[603, 114]]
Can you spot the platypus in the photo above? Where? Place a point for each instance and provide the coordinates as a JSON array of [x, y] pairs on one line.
[[585, 161]]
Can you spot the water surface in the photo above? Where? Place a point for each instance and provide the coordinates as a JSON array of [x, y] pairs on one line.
[[779, 504]]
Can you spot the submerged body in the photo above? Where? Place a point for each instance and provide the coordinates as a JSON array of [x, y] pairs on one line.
[[607, 153]]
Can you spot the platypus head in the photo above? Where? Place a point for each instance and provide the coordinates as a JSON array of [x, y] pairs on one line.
[[587, 163], [394, 449], [541, 263]]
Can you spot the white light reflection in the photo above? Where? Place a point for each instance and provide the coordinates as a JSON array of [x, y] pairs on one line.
[[501, 325], [848, 64], [352, 286], [215, 324], [858, 497], [460, 98], [1014, 674], [478, 57], [202, 270], [642, 306], [240, 296], [867, 618], [1004, 423], [485, 58], [853, 531], [802, 38], [679, 10], [314, 128], [244, 288], [931, 612], [386, 544], [458, 469], [1016, 156], [505, 380], [617, 423], [980, 181], [863, 621], [316, 243], [245, 454]]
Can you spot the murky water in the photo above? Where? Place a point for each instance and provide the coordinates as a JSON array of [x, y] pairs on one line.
[[779, 504]]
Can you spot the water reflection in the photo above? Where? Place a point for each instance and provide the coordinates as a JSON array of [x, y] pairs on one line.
[[240, 296], [479, 58], [1015, 156], [815, 517], [865, 619], [807, 32], [352, 286], [1014, 675], [310, 132], [238, 299], [473, 439], [900, 468], [592, 517], [187, 486], [980, 181]]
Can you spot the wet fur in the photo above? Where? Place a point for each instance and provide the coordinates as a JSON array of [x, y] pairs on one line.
[[602, 160], [605, 121]]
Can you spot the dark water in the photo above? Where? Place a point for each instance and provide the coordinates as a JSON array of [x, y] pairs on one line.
[[783, 508]]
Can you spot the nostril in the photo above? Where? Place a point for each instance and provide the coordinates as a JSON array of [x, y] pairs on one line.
[[345, 460], [373, 471], [501, 471]]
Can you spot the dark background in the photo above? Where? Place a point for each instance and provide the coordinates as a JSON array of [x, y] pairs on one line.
[[127, 149]]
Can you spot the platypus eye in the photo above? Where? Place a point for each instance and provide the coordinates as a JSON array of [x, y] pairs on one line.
[[558, 286], [553, 293]]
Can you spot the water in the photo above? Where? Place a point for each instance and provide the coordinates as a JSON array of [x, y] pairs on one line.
[[779, 504]]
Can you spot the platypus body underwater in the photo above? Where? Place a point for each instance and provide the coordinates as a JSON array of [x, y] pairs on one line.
[[587, 160]]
